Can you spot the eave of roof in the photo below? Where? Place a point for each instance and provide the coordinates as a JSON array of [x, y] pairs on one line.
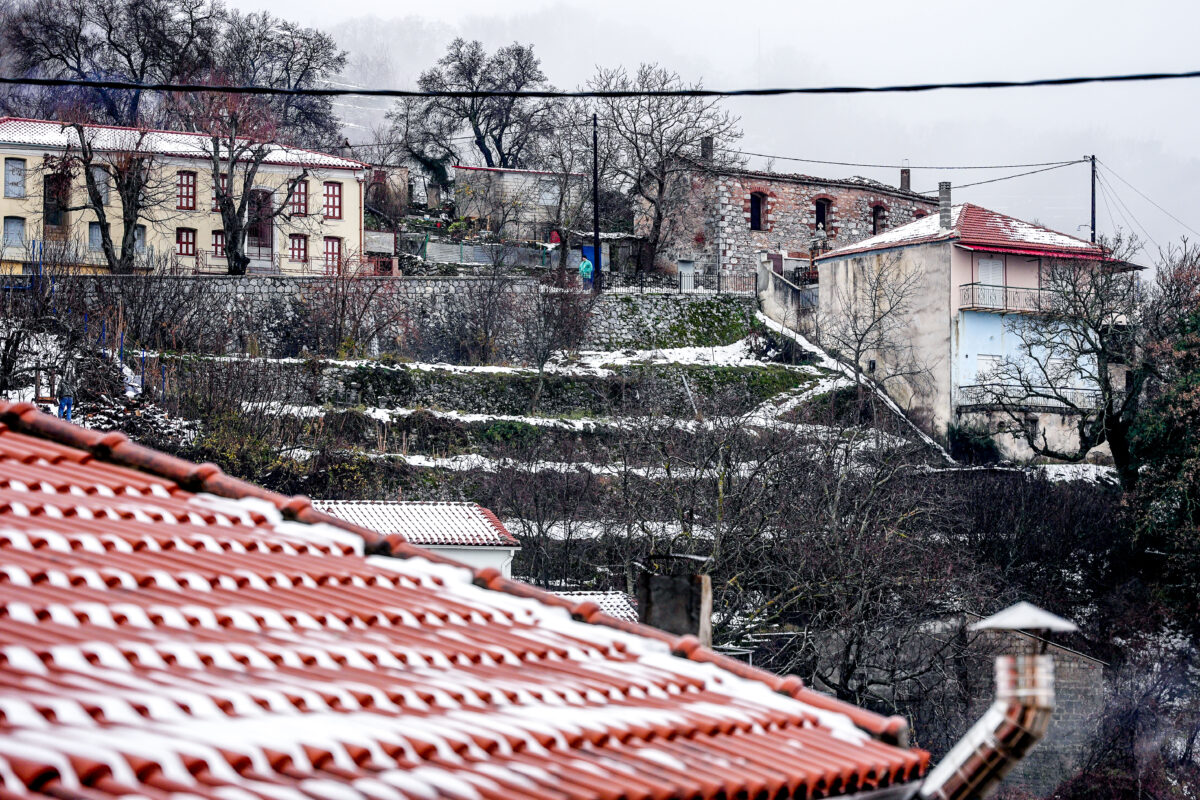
[[346, 163], [845, 183], [116, 448]]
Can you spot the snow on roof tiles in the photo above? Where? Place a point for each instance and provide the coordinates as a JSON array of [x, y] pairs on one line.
[[424, 523], [47, 133], [615, 604], [974, 225], [168, 630]]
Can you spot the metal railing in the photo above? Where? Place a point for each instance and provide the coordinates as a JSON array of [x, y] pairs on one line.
[[985, 395], [988, 297], [643, 282]]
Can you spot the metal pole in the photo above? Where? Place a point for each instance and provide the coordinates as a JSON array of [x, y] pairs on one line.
[[596, 279], [1093, 160]]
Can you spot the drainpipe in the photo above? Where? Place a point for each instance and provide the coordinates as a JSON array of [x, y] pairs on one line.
[[1017, 719]]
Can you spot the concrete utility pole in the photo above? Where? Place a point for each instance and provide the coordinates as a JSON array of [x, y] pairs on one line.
[[1092, 158], [596, 277]]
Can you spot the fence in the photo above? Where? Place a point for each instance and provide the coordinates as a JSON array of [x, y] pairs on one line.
[[642, 282], [1064, 399]]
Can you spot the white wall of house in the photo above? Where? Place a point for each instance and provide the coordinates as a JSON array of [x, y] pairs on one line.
[[479, 557]]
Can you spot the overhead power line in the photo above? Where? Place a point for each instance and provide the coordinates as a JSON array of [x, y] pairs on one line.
[[83, 83], [1010, 177], [1113, 172]]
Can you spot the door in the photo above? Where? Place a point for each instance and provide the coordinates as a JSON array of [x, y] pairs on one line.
[[991, 282], [260, 232], [687, 276]]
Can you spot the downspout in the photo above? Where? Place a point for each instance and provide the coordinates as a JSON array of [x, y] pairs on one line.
[[1016, 721]]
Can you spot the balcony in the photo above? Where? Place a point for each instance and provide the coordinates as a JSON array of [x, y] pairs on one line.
[[983, 397], [1001, 299]]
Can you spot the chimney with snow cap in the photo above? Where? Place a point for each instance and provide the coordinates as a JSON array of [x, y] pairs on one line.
[[1016, 720], [944, 204]]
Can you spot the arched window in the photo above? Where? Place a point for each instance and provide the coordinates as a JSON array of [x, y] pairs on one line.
[[918, 214], [878, 219], [758, 204], [821, 209]]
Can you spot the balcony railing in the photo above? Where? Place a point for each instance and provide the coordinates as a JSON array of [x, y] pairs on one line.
[[986, 297], [994, 395]]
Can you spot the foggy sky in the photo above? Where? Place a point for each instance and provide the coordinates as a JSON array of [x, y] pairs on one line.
[[1144, 132]]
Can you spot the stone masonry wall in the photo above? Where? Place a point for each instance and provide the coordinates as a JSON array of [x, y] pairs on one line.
[[285, 316], [714, 227]]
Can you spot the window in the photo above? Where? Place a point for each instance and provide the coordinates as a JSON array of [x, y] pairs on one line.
[[139, 239], [298, 247], [299, 203], [224, 189], [56, 195], [100, 178], [14, 177], [919, 214], [218, 244], [185, 241], [821, 209], [333, 200], [14, 231], [757, 204], [878, 219], [95, 236], [185, 191], [991, 271], [333, 253]]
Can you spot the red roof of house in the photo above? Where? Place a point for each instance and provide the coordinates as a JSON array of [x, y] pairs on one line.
[[166, 630], [424, 523], [978, 227]]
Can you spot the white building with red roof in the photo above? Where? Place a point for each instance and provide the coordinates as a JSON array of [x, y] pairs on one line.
[[466, 532], [979, 272]]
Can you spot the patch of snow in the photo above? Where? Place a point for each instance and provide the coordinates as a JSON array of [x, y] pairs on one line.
[[1090, 473]]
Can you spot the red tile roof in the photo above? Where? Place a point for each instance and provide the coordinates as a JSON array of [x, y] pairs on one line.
[[424, 523], [972, 225], [168, 630], [615, 604]]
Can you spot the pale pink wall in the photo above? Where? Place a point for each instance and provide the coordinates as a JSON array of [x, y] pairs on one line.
[[1019, 271]]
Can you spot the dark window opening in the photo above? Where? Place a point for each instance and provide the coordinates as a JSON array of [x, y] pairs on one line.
[[259, 228], [822, 213], [756, 212], [878, 219], [56, 195]]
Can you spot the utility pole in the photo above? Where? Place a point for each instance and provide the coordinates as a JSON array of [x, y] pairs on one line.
[[1092, 158], [596, 275]]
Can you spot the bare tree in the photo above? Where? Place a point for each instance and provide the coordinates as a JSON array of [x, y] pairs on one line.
[[140, 41], [1081, 354], [867, 322], [659, 140], [552, 317]]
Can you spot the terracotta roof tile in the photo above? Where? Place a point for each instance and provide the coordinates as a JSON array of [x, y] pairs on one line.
[[168, 630], [615, 604], [973, 225], [424, 523]]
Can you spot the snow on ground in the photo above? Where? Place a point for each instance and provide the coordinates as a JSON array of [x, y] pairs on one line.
[[594, 362], [829, 363], [1091, 473]]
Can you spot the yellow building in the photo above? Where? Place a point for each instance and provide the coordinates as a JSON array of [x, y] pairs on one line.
[[45, 218]]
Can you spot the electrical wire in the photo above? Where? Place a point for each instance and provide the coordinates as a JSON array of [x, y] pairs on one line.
[[86, 83], [1103, 181], [1144, 197], [1010, 177]]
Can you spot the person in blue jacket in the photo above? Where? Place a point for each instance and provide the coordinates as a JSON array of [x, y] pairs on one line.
[[585, 272]]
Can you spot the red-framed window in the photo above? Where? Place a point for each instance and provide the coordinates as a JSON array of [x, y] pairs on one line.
[[299, 205], [185, 241], [333, 200], [185, 191], [218, 243], [298, 247], [224, 190], [333, 253]]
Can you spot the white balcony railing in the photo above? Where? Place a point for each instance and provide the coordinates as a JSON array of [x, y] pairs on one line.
[[987, 297], [1034, 397]]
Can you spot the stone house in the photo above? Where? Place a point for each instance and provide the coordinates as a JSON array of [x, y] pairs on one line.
[[319, 232], [520, 204], [727, 218]]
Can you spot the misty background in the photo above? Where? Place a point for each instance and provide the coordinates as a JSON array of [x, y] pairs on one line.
[[1143, 132]]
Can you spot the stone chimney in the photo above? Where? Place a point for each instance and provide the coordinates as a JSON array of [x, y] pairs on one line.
[[944, 205], [678, 602], [706, 149], [906, 180]]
